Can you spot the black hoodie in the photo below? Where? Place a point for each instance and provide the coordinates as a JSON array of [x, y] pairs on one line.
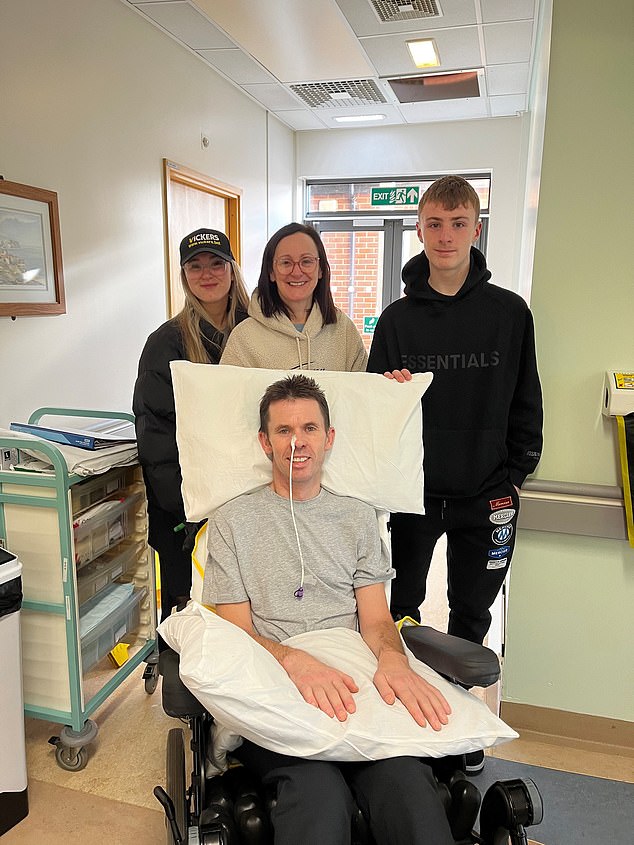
[[482, 414]]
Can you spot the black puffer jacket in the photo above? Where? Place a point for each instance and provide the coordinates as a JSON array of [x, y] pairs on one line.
[[482, 414], [153, 407]]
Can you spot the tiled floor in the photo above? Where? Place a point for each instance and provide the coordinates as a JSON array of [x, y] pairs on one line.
[[111, 799]]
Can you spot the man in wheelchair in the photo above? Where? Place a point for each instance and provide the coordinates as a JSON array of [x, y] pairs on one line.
[[291, 564], [293, 557]]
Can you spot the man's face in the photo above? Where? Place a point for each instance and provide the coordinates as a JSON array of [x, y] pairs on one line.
[[448, 236], [302, 418]]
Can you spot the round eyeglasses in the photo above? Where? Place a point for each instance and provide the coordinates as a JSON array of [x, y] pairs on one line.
[[285, 266], [216, 267]]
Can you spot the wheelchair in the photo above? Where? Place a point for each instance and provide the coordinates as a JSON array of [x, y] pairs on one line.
[[233, 808]]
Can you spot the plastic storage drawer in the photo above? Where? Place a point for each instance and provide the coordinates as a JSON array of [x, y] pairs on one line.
[[93, 490], [106, 569], [111, 523], [110, 630]]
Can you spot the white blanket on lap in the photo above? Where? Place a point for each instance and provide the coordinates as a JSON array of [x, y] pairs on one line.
[[250, 695]]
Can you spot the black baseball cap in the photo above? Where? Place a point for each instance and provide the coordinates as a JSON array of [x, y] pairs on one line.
[[205, 240]]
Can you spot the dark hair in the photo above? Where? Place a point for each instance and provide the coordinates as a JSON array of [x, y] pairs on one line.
[[293, 387], [268, 294]]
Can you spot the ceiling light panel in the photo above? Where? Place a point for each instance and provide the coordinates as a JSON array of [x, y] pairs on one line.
[[424, 52], [459, 48]]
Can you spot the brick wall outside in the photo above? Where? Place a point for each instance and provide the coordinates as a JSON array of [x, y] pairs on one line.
[[356, 263]]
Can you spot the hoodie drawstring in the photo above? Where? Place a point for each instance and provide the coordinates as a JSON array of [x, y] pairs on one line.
[[299, 351]]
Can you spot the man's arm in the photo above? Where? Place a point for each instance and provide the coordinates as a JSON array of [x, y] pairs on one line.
[[322, 686], [394, 678], [524, 432]]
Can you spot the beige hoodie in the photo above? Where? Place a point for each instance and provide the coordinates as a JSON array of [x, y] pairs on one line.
[[274, 343]]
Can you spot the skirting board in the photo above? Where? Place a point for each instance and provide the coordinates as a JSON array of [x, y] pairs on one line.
[[596, 733]]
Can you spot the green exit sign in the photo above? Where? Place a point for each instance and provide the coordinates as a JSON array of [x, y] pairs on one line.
[[395, 196], [369, 324]]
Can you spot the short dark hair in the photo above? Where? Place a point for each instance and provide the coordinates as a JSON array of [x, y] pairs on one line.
[[450, 192], [268, 294], [293, 387]]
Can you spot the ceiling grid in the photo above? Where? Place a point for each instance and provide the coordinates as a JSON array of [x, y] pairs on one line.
[[314, 62]]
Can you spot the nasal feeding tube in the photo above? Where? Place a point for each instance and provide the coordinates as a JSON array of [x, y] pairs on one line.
[[299, 592]]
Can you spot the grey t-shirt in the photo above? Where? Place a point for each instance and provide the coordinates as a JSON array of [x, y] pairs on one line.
[[253, 556]]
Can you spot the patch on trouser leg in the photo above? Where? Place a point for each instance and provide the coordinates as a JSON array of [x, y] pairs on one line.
[[497, 564]]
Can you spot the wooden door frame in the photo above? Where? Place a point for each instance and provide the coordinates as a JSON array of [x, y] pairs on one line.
[[232, 196]]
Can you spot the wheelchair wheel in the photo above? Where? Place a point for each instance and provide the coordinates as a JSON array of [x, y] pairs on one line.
[[175, 782]]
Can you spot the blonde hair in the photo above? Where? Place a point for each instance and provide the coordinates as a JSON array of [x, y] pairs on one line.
[[192, 314]]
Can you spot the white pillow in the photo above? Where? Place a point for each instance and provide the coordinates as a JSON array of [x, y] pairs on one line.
[[378, 451], [250, 695]]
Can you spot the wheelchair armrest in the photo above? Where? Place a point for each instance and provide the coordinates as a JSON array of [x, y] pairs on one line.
[[177, 699], [464, 662]]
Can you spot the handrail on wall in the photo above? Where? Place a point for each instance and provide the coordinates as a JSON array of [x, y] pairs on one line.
[[566, 507]]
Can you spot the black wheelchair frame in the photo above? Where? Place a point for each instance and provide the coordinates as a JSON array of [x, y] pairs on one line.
[[233, 809]]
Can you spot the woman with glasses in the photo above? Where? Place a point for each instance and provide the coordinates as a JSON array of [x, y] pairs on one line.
[[293, 322], [215, 302]]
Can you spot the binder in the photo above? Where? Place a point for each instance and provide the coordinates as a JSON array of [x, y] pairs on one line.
[[81, 438]]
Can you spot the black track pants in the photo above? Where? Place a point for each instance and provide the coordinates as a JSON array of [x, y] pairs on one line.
[[480, 541]]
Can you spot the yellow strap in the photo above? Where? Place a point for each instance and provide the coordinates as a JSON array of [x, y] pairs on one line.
[[627, 463]]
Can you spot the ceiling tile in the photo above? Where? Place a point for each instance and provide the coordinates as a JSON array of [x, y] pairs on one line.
[[458, 49], [294, 40], [237, 66], [507, 79], [300, 119], [273, 97], [185, 23], [509, 105], [508, 42], [507, 10]]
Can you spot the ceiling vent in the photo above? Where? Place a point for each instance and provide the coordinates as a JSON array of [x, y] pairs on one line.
[[390, 11], [350, 93]]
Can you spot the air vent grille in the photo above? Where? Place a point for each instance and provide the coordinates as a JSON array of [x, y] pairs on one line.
[[350, 93], [389, 11]]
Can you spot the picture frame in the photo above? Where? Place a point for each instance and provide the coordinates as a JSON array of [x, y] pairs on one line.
[[31, 270]]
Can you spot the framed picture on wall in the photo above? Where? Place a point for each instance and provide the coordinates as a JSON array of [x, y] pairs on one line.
[[31, 274]]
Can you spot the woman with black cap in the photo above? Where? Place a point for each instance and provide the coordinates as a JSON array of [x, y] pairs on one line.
[[215, 302]]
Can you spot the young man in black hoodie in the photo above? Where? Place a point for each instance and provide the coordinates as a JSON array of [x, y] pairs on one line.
[[482, 415]]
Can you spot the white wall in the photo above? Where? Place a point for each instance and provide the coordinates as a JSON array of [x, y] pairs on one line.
[[93, 99], [463, 146]]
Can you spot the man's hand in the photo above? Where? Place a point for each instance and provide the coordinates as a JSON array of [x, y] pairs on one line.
[[399, 375], [395, 679], [322, 686]]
